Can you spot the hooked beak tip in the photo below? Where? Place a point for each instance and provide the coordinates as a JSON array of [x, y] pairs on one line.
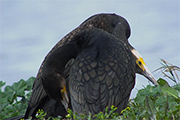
[[150, 77], [153, 80]]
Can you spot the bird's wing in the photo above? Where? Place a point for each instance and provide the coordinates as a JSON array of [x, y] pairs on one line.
[[38, 93], [103, 74]]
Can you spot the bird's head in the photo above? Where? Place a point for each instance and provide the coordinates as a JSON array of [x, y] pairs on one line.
[[122, 30], [112, 23], [141, 67]]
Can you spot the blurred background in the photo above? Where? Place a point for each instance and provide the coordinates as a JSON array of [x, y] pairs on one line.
[[29, 29]]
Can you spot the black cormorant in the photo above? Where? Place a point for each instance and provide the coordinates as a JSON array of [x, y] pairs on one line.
[[91, 68]]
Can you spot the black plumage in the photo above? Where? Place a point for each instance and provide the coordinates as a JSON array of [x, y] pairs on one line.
[[99, 77], [91, 68]]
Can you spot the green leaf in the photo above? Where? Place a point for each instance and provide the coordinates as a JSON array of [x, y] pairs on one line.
[[8, 89], [30, 82], [173, 106], [170, 91], [140, 99], [177, 87], [20, 108], [178, 107], [160, 101], [150, 105], [19, 87], [162, 82], [8, 94], [2, 83], [158, 116]]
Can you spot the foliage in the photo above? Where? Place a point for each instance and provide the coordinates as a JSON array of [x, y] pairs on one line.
[[108, 114], [157, 103], [14, 98], [41, 115], [152, 102]]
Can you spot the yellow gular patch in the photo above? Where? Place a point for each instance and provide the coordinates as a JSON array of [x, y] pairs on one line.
[[140, 62], [63, 91]]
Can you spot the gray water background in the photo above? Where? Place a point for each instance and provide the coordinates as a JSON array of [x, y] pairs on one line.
[[29, 29]]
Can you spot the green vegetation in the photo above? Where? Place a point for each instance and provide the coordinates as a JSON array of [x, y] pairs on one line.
[[151, 102], [155, 103], [14, 98]]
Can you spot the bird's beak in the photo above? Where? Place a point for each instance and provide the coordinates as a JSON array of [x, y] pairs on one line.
[[143, 68], [149, 76]]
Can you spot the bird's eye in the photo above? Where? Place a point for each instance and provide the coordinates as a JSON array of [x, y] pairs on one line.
[[139, 62]]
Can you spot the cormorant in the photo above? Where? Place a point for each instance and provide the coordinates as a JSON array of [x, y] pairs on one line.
[[91, 68]]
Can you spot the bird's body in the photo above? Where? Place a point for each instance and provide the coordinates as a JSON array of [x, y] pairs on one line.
[[91, 68], [98, 77]]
